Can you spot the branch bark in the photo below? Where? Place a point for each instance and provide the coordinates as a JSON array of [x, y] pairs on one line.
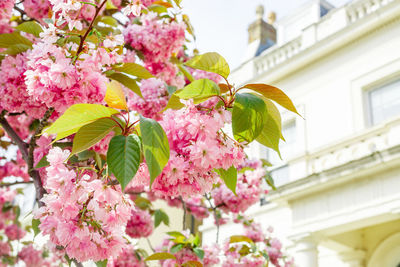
[[27, 151]]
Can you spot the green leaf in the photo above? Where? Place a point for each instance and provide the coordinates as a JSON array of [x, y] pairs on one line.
[[9, 39], [31, 27], [273, 93], [135, 70], [42, 163], [127, 82], [17, 49], [155, 146], [248, 117], [230, 177], [109, 20], [212, 62], [35, 226], [160, 217], [240, 238], [160, 256], [159, 9], [174, 103], [88, 135], [102, 263], [123, 157], [270, 134], [199, 90], [176, 234], [77, 116], [176, 248], [192, 264], [270, 181], [199, 252]]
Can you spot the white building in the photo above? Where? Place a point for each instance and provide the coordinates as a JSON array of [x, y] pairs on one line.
[[338, 197]]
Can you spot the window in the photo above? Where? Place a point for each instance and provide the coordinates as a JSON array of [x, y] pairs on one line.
[[384, 102]]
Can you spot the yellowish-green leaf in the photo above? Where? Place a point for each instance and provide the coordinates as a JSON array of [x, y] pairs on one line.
[[199, 90], [134, 70], [159, 9], [88, 135], [174, 103], [110, 5], [270, 134], [77, 116], [115, 96], [127, 82], [9, 39], [230, 177], [240, 238], [160, 256], [274, 94], [192, 264], [31, 27], [17, 49], [189, 26], [212, 62], [162, 3], [109, 21]]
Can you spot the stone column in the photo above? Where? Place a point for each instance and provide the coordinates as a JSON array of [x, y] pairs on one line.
[[353, 258], [306, 252]]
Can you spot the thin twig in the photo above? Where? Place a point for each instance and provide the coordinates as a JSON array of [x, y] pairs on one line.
[[215, 216], [83, 38], [184, 214], [15, 183], [150, 245]]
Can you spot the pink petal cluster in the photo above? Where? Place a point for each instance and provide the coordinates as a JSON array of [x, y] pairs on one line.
[[54, 81], [197, 208], [6, 198], [157, 39], [248, 189], [167, 72], [15, 97], [13, 232], [32, 257], [83, 215], [233, 258], [17, 169], [254, 232], [201, 74], [127, 258], [6, 7], [182, 256], [197, 147], [37, 9], [155, 98], [140, 224], [211, 255]]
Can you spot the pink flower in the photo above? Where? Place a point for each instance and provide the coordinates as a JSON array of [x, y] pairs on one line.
[[13, 232], [140, 224]]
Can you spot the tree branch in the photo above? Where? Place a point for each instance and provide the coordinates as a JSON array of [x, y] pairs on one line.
[[15, 183]]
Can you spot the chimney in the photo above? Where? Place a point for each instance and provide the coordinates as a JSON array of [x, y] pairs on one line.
[[262, 35]]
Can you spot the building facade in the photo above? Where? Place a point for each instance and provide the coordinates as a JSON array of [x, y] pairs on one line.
[[338, 196]]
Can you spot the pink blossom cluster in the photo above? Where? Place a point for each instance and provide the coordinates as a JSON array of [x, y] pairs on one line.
[[211, 255], [248, 189], [157, 39], [128, 258], [197, 147], [32, 257], [155, 98], [7, 215], [140, 224], [167, 72], [52, 79], [182, 256], [15, 97], [6, 7], [17, 168], [37, 9], [201, 74], [233, 257], [83, 215], [197, 208]]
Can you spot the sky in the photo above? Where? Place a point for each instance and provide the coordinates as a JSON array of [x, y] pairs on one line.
[[221, 25]]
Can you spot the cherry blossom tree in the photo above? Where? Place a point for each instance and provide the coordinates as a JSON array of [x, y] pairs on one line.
[[104, 110]]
